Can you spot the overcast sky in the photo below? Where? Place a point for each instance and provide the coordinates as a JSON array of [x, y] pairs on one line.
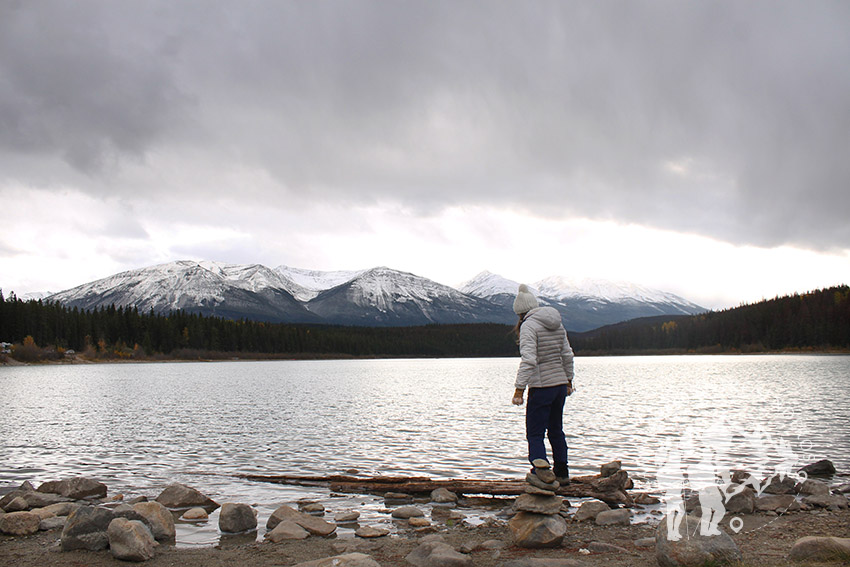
[[702, 148]]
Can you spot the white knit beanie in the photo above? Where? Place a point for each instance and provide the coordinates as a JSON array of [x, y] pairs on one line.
[[525, 300]]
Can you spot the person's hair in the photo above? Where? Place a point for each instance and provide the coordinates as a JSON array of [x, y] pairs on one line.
[[518, 325]]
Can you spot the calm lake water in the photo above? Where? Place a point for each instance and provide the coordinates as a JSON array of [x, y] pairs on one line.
[[139, 427]]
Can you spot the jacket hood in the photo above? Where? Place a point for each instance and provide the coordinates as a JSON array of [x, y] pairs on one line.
[[547, 316]]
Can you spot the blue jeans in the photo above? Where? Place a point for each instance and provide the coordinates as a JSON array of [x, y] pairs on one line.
[[544, 414]]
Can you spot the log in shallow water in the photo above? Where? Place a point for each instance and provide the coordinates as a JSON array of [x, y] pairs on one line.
[[613, 489]]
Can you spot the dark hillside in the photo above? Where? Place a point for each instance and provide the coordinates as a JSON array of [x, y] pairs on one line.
[[818, 320]]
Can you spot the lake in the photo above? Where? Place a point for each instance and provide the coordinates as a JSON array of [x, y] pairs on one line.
[[139, 427]]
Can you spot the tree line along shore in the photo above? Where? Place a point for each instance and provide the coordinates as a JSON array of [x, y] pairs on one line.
[[36, 330]]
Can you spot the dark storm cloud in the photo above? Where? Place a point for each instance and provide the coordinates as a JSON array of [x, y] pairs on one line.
[[85, 81], [729, 119]]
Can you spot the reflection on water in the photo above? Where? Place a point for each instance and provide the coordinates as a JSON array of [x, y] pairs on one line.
[[139, 427]]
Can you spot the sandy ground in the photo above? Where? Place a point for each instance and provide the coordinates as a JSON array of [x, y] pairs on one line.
[[765, 541]]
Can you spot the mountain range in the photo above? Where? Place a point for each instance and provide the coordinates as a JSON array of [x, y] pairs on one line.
[[375, 297]]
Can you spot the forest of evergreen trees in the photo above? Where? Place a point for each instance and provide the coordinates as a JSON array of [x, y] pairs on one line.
[[126, 333], [818, 320]]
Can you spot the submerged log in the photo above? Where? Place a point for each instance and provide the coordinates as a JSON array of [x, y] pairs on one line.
[[611, 490]]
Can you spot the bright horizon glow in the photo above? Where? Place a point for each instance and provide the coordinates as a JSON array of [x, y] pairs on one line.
[[53, 248]]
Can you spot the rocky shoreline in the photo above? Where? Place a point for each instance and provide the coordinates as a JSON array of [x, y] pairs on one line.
[[74, 522]]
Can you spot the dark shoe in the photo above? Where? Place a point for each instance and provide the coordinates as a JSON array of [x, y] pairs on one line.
[[562, 474]]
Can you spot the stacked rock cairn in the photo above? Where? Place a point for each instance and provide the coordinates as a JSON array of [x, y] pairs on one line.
[[538, 523]]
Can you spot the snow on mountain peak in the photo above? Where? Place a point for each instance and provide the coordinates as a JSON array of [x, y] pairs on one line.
[[167, 286], [382, 285], [488, 284], [561, 288], [310, 283]]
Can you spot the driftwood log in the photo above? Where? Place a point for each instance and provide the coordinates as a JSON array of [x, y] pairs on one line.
[[613, 490]]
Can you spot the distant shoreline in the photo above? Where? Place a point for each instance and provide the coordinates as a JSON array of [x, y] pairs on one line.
[[258, 357]]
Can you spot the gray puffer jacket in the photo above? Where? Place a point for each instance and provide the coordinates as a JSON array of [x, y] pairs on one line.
[[547, 358]]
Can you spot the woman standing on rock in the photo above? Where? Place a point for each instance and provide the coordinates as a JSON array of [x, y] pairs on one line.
[[547, 370]]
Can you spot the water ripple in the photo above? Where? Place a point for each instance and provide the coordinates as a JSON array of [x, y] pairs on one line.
[[141, 427]]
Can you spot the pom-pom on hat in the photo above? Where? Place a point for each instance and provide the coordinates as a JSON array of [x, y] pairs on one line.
[[525, 300]]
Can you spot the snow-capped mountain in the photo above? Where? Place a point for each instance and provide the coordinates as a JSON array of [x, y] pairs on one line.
[[375, 297], [382, 296], [487, 284], [585, 304], [209, 288], [605, 291]]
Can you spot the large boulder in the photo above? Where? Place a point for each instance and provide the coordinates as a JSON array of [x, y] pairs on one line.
[[236, 518], [130, 540], [814, 548], [179, 496], [32, 499], [823, 467], [159, 519], [548, 505], [19, 523], [314, 525], [743, 502], [437, 554], [76, 488], [86, 529], [25, 487], [18, 504], [537, 530], [814, 487], [778, 484], [693, 549], [41, 499]]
